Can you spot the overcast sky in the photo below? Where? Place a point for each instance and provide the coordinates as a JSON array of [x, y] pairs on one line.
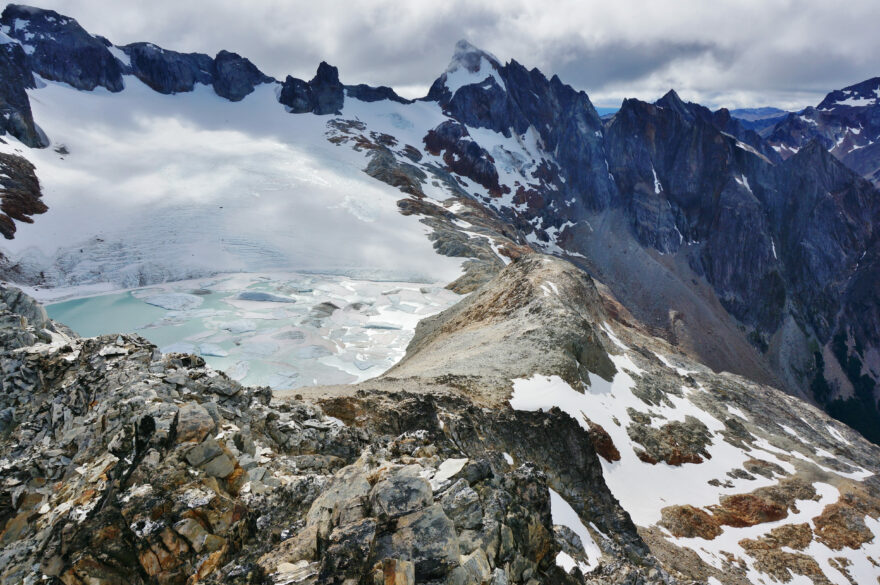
[[732, 53]]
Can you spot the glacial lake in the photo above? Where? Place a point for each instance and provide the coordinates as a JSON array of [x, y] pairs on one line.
[[280, 330]]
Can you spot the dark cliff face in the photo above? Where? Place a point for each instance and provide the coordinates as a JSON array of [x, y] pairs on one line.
[[61, 50], [830, 218], [20, 195], [168, 71], [777, 241], [324, 94], [234, 77], [15, 108]]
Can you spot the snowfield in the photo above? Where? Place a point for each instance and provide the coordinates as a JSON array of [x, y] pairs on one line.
[[150, 187]]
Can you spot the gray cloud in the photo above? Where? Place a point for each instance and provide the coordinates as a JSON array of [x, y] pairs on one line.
[[727, 52]]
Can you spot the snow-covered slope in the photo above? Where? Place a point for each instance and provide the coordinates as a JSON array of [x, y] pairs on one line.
[[145, 187]]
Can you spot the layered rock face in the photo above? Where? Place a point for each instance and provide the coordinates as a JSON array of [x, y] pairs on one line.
[[780, 243]]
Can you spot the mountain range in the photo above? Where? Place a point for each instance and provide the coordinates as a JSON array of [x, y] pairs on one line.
[[717, 268]]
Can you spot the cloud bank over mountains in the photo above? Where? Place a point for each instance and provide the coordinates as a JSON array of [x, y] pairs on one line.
[[727, 53]]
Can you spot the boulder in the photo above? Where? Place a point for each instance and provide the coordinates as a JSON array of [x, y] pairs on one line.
[[193, 423], [348, 552], [428, 539], [462, 505], [398, 495]]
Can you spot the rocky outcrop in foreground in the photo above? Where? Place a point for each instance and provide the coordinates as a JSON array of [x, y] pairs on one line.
[[533, 434], [123, 465]]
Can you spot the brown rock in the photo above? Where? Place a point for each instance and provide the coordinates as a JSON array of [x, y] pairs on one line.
[[302, 547], [795, 536], [207, 566], [193, 423], [780, 564], [689, 522], [394, 572], [741, 510], [602, 442], [193, 531], [150, 562], [764, 468], [15, 528], [842, 524]]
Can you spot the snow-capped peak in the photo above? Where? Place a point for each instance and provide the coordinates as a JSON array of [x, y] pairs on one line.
[[469, 57], [866, 93], [470, 66]]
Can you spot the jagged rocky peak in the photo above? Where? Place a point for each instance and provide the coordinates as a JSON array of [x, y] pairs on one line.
[[469, 66], [324, 94], [168, 71], [235, 76], [846, 122], [673, 101], [58, 48]]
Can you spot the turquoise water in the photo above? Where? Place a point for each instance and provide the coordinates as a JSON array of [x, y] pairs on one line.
[[113, 313], [266, 341]]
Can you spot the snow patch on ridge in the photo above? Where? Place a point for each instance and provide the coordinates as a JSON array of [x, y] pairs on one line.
[[564, 515]]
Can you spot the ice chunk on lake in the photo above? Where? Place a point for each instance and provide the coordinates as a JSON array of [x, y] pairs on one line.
[[283, 379], [179, 347], [259, 348], [294, 335], [212, 349], [238, 371], [264, 297], [174, 301], [240, 326], [312, 352]]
